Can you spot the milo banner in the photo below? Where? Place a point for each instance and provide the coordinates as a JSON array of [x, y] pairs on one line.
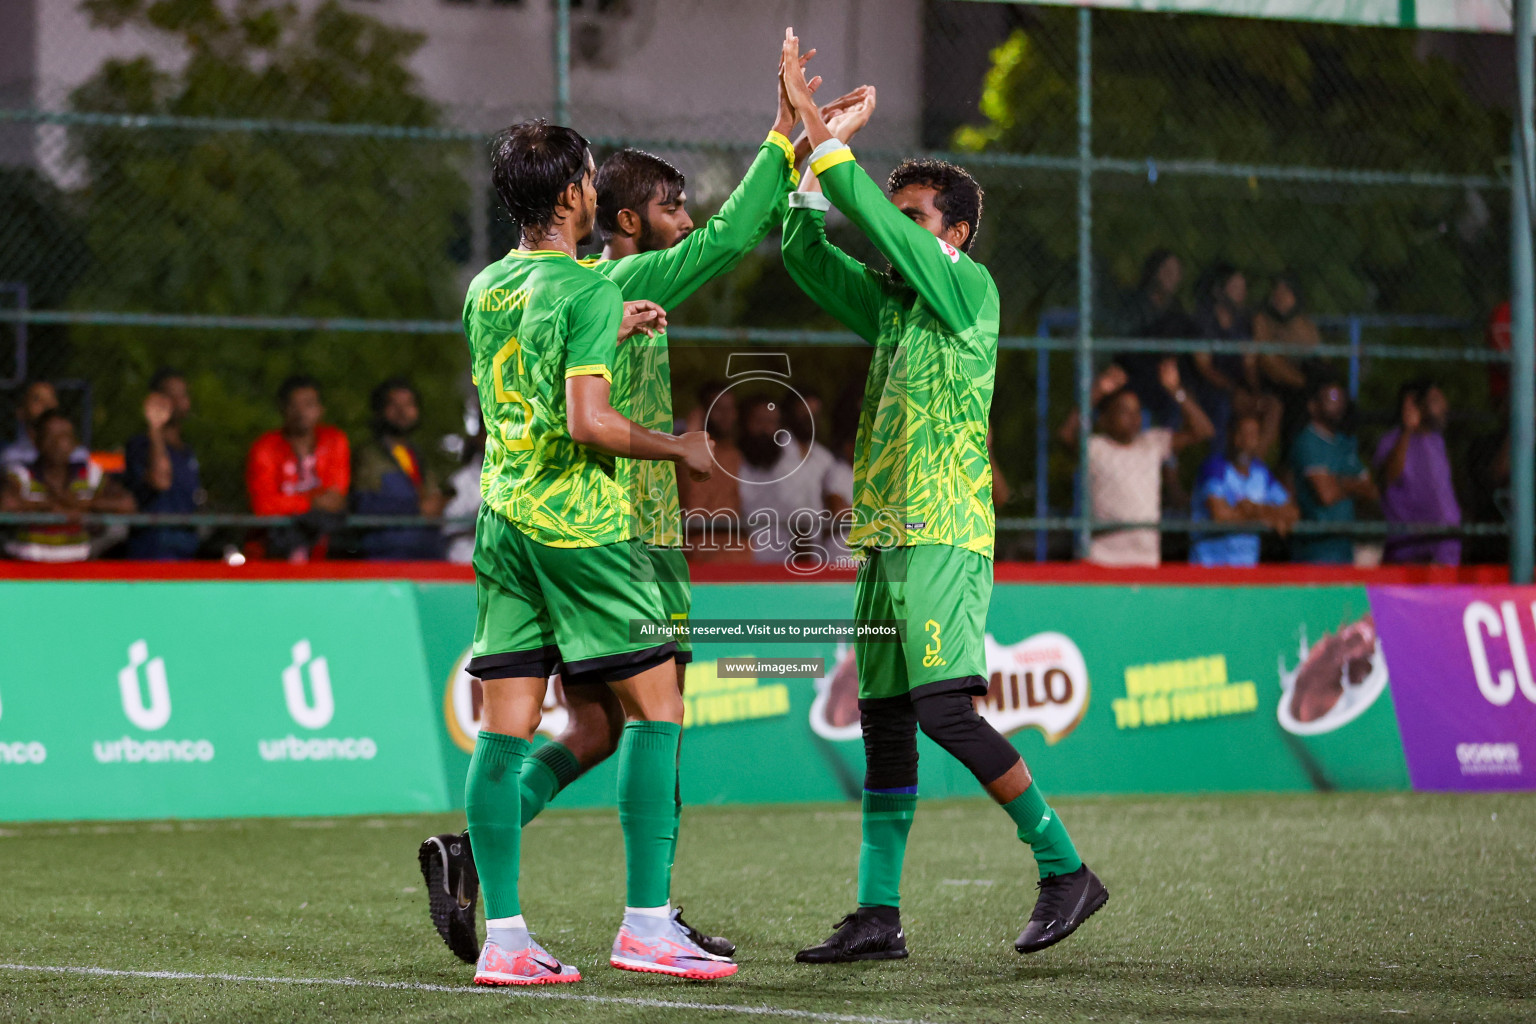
[[1104, 689], [1463, 682], [140, 700]]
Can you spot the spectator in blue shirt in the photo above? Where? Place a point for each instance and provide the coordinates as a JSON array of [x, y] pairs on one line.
[[1236, 487], [1329, 477], [160, 470], [389, 478]]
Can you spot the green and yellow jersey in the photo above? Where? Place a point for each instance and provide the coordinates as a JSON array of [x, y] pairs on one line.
[[642, 378], [921, 473], [533, 319]]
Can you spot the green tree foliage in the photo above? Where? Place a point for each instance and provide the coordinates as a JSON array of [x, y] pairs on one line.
[[1249, 92], [265, 221], [1239, 92], [42, 246]]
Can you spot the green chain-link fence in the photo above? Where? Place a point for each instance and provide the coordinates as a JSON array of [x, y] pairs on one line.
[[271, 209]]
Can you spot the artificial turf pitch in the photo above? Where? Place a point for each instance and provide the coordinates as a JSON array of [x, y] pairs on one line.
[[1266, 908]]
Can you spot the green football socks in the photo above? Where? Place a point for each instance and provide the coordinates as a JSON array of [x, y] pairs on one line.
[[1041, 828], [887, 819], [677, 800], [551, 768], [492, 805], [648, 809]]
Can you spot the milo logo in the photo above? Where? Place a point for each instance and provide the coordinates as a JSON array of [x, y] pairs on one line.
[[1040, 682]]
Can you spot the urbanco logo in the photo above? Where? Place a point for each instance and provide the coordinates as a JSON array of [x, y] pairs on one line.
[[313, 707], [315, 712], [158, 712], [21, 752], [148, 717]]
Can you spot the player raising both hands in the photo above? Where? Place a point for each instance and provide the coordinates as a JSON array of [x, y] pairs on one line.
[[922, 515]]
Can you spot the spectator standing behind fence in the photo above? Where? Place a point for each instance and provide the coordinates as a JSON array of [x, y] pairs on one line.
[[1154, 311], [302, 469], [1125, 464], [389, 478], [39, 397], [1283, 322], [58, 481], [712, 523], [792, 490], [1416, 476], [160, 470], [1236, 486], [1230, 382], [774, 489], [1329, 477]]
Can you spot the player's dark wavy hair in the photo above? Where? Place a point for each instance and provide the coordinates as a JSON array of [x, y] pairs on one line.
[[959, 198], [531, 164], [627, 181]]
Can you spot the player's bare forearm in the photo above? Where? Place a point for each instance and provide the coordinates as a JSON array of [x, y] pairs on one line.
[[844, 117], [594, 422]]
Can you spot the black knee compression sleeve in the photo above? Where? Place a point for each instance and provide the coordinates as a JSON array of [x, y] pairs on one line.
[[951, 721], [890, 742]]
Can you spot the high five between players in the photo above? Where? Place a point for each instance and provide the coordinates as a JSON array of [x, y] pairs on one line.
[[580, 537]]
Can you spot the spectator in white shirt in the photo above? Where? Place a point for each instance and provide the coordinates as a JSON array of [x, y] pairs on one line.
[[1124, 460], [790, 485], [464, 486]]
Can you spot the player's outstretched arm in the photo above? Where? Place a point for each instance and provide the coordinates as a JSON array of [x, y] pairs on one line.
[[671, 275], [952, 284], [837, 282], [948, 280]]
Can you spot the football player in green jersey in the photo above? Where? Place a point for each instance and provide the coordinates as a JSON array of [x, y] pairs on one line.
[[922, 516], [652, 252], [560, 576]]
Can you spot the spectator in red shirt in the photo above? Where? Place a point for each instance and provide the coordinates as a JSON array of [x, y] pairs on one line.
[[302, 469]]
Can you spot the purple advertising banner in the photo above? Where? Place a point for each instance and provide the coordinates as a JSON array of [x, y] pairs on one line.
[[1463, 683]]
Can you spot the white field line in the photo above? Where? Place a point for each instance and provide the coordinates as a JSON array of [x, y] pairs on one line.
[[543, 992]]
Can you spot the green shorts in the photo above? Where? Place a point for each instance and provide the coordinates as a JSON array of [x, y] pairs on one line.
[[941, 593], [539, 607], [676, 595]]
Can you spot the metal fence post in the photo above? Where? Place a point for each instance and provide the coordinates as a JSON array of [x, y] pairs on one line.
[[1523, 311], [562, 61], [1354, 358], [1084, 268], [1042, 442]]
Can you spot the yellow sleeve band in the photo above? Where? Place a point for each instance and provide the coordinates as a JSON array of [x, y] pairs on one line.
[[775, 139], [794, 177], [832, 159], [592, 370]]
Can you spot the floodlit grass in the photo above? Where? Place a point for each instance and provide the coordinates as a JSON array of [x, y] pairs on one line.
[[1272, 908]]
